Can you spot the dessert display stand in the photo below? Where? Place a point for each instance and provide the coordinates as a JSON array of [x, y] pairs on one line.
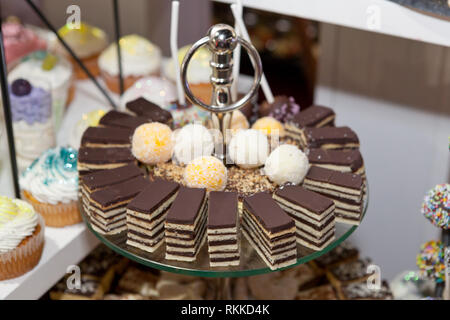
[[250, 265], [71, 244]]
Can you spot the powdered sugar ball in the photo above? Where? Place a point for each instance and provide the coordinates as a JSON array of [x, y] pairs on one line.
[[249, 148], [193, 141], [286, 163], [206, 172], [152, 143]]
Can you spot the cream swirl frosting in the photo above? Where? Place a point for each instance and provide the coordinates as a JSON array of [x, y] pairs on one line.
[[139, 57], [17, 221], [53, 177]]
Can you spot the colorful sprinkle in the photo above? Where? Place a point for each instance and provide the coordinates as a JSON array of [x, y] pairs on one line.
[[436, 205], [430, 260]]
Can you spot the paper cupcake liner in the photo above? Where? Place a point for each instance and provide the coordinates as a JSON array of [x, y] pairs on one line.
[[56, 215], [26, 256], [202, 91], [90, 63]]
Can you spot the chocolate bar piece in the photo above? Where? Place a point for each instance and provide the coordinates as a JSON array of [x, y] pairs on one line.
[[313, 215], [150, 111], [269, 230], [107, 206], [314, 116], [339, 160], [345, 189], [122, 120], [91, 159], [360, 291], [146, 214], [223, 242], [186, 224], [329, 138], [104, 178], [106, 137]]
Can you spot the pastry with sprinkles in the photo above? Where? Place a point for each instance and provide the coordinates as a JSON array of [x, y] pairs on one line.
[[430, 260], [436, 205]]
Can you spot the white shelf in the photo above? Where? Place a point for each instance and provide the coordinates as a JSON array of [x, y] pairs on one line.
[[63, 247], [394, 19]]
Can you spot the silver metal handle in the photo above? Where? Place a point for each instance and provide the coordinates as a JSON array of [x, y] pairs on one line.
[[222, 40]]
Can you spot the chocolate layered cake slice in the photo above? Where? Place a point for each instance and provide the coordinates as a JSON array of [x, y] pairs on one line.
[[339, 160], [313, 215], [95, 181], [106, 137], [185, 226], [147, 212], [95, 159], [314, 116], [269, 230], [345, 189], [329, 138], [143, 108], [223, 242], [122, 120], [107, 207]]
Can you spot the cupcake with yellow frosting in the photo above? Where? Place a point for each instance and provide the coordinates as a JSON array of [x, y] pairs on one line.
[[50, 185], [87, 42], [198, 73], [21, 237], [140, 58]]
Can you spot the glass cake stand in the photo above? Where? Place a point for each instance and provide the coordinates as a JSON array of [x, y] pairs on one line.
[[251, 264]]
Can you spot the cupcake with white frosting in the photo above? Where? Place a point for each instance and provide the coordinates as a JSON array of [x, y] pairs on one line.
[[50, 184], [140, 58], [21, 237], [87, 42]]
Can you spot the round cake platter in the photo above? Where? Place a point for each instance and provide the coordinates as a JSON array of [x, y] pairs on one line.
[[251, 264]]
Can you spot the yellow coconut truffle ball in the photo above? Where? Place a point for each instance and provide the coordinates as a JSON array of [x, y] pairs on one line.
[[152, 143], [206, 172], [269, 126]]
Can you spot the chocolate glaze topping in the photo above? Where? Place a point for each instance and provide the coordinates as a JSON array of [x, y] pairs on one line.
[[153, 196], [106, 135], [104, 178], [120, 192], [317, 137], [121, 119], [351, 158], [222, 209], [148, 110], [268, 212], [186, 206], [343, 179], [305, 198], [104, 155], [313, 115]]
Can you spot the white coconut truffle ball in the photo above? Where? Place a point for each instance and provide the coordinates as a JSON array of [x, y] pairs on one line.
[[286, 163], [193, 141], [249, 148]]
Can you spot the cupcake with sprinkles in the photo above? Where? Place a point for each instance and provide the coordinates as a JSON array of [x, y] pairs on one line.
[[50, 185], [436, 205], [21, 238]]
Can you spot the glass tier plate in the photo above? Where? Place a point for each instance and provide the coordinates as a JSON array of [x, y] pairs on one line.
[[251, 264]]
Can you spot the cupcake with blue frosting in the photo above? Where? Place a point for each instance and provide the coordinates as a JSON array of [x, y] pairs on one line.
[[50, 185]]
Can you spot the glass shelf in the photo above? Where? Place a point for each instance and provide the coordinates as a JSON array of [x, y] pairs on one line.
[[251, 264]]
